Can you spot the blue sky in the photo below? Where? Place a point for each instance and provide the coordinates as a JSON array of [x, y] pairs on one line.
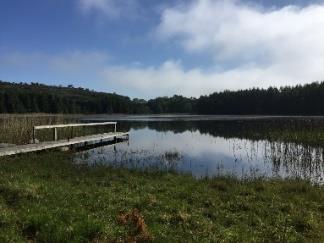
[[145, 48]]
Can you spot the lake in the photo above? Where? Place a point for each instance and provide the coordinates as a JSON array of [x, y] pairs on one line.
[[208, 146]]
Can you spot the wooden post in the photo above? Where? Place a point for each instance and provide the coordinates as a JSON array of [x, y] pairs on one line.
[[115, 127], [55, 134], [34, 135]]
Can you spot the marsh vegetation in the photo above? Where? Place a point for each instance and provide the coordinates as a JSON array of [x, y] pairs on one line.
[[17, 129], [147, 189], [48, 198]]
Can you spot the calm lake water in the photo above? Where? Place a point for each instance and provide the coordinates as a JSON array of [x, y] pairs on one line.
[[211, 147]]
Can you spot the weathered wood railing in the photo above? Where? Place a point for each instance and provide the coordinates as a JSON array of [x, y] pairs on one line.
[[55, 127]]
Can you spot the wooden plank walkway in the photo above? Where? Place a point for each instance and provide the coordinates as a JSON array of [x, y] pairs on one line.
[[27, 148]]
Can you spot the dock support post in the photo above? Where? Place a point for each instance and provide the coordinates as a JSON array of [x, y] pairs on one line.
[[34, 135], [55, 134], [115, 128]]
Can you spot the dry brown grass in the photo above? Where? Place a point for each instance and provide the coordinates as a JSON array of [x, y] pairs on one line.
[[137, 229], [17, 129]]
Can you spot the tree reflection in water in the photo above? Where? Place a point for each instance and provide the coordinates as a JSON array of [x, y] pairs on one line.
[[281, 148]]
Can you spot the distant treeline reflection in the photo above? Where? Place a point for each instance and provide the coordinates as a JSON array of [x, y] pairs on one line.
[[294, 148], [288, 147], [302, 131]]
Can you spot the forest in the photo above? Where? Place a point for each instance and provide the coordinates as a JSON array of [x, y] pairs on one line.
[[39, 98]]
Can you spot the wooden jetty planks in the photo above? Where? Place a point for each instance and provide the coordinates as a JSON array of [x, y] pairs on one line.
[[19, 149]]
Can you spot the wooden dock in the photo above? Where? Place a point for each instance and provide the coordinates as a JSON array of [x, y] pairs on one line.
[[82, 141]]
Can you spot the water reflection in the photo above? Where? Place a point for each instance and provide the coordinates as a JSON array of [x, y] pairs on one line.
[[209, 149]]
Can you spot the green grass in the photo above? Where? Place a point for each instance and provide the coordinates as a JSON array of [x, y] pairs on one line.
[[45, 198]]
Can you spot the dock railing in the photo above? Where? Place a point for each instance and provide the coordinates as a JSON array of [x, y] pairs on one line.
[[55, 127]]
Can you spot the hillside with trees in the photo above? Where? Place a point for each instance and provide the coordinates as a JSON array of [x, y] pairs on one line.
[[298, 100], [39, 98], [35, 97]]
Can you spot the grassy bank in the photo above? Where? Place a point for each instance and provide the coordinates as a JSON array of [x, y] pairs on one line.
[[45, 197]]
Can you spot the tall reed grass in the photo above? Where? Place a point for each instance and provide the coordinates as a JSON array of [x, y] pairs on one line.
[[17, 129]]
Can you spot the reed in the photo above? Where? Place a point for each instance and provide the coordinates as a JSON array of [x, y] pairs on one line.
[[17, 129]]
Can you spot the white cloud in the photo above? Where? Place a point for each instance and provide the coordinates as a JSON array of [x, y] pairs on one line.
[[251, 46], [232, 30], [110, 8], [263, 47], [69, 61], [73, 61], [78, 67], [95, 70], [171, 78]]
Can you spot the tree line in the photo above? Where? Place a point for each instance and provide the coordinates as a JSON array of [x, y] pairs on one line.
[[298, 100], [39, 98], [35, 97]]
